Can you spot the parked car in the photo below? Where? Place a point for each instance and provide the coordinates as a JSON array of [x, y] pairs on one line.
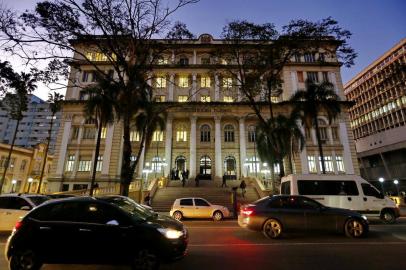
[[60, 196], [275, 215], [87, 230], [197, 208], [118, 198], [343, 191], [15, 206]]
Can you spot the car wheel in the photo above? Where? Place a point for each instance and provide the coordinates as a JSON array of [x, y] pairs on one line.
[[272, 228], [388, 216], [354, 228], [217, 216], [177, 215], [145, 260], [24, 260]]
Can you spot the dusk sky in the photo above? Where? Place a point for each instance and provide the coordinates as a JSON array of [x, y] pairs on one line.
[[377, 25]]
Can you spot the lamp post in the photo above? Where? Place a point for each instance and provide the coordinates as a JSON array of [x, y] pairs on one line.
[[163, 165], [29, 184], [381, 180], [13, 185], [396, 182]]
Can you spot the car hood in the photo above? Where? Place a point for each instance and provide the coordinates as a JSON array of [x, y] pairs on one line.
[[341, 211], [166, 222]]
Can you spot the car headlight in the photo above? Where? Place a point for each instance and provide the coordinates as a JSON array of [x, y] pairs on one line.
[[170, 233], [364, 217]]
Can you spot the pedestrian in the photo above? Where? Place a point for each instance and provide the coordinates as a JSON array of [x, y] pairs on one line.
[[187, 174], [197, 180], [224, 184], [147, 200], [182, 178], [243, 186]]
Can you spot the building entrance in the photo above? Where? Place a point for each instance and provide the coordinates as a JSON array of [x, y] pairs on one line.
[[205, 168]]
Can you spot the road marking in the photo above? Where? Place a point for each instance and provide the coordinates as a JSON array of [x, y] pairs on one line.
[[300, 244]]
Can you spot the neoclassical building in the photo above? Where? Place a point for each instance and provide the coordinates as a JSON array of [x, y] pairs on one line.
[[210, 131]]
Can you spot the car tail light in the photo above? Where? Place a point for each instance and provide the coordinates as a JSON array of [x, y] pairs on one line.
[[18, 225], [246, 212]]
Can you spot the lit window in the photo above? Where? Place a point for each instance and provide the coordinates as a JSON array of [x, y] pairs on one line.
[[96, 56], [103, 133], [162, 61], [205, 82], [227, 82], [205, 98], [181, 134], [160, 82], [228, 99], [84, 166], [183, 81], [311, 161], [157, 136], [134, 136], [99, 163], [160, 98], [156, 164], [274, 99], [70, 163], [328, 163], [340, 164], [182, 98]]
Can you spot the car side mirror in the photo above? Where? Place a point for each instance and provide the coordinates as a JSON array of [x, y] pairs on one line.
[[25, 208], [112, 222]]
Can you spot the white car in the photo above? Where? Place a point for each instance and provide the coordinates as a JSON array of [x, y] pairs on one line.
[[197, 208], [15, 206]]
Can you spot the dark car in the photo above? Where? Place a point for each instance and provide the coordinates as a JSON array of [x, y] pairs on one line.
[[60, 196], [90, 230], [275, 215]]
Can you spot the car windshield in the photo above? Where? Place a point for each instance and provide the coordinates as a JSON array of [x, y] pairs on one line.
[[37, 200], [132, 207]]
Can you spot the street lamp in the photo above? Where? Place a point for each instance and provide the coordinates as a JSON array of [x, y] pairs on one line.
[[29, 184], [13, 185], [381, 180], [396, 182]]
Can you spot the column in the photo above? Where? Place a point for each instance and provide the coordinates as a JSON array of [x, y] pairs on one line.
[[194, 88], [333, 154], [140, 164], [330, 135], [171, 86], [349, 167], [303, 154], [216, 88], [64, 147], [192, 162], [217, 146], [168, 145], [173, 57], [243, 147], [107, 149], [194, 57]]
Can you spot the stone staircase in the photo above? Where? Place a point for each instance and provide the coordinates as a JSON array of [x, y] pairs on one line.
[[209, 190]]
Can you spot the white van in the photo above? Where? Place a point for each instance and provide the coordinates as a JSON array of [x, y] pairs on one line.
[[342, 191]]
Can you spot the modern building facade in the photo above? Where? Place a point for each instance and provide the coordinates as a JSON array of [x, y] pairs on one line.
[[24, 168], [378, 118], [34, 127], [210, 131]]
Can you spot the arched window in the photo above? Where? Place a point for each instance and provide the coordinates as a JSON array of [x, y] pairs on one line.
[[205, 133], [205, 167], [181, 134], [229, 133], [252, 135], [230, 165]]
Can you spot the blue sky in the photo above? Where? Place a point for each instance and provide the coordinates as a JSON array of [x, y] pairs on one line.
[[377, 25]]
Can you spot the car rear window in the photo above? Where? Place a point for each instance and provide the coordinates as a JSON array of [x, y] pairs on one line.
[[187, 202], [37, 200]]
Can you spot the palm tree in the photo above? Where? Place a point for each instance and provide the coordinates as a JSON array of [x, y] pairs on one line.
[[16, 104], [100, 107], [289, 137], [318, 98], [54, 101]]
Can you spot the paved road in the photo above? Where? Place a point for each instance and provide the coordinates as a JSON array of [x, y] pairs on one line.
[[226, 246]]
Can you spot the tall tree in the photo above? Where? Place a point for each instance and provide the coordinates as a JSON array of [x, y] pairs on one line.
[[122, 32], [315, 100], [15, 103], [54, 101], [99, 106]]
